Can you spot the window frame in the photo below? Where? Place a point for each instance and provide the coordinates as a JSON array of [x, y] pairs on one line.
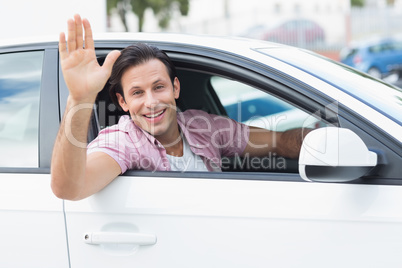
[[300, 94], [49, 117], [226, 69]]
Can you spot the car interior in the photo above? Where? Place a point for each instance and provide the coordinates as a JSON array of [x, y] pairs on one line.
[[197, 92]]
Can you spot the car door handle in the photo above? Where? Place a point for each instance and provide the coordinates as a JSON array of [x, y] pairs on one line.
[[96, 238]]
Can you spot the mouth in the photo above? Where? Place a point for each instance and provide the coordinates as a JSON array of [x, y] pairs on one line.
[[155, 115]]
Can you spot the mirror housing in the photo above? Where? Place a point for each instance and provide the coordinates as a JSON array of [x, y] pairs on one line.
[[332, 154]]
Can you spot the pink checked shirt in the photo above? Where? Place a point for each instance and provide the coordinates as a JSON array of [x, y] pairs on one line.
[[209, 136]]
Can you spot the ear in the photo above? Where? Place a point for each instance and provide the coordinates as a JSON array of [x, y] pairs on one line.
[[122, 102], [176, 88]]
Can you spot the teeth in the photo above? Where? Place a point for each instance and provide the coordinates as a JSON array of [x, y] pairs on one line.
[[154, 115]]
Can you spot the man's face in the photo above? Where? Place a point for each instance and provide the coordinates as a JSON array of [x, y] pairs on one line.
[[149, 97]]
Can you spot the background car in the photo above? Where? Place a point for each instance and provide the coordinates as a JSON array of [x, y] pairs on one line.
[[257, 212], [297, 32], [245, 104], [378, 58]]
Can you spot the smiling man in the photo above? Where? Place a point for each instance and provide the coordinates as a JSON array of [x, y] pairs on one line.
[[151, 101], [155, 135]]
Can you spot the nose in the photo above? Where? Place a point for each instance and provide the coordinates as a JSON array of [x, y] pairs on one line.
[[150, 99]]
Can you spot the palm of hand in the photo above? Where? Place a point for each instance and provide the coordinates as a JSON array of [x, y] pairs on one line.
[[83, 75]]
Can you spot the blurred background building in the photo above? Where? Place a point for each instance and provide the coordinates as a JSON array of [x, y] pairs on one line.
[[329, 27], [324, 26]]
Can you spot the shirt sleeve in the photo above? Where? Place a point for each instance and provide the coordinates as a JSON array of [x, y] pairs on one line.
[[110, 141], [231, 136]]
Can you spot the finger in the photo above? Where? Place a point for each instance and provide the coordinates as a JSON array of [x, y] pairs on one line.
[[78, 31], [62, 46], [110, 60], [71, 41], [89, 41]]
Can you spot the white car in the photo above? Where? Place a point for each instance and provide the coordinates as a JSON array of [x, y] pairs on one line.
[[339, 205]]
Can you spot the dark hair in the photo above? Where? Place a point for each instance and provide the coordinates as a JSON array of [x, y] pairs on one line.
[[135, 55]]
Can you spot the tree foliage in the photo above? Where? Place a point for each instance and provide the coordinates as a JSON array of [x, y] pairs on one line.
[[390, 2], [163, 10], [361, 3], [357, 3]]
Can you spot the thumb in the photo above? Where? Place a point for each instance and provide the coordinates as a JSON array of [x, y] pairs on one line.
[[110, 60]]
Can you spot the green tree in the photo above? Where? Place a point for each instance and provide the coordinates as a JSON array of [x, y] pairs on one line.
[[163, 10], [357, 3], [391, 2]]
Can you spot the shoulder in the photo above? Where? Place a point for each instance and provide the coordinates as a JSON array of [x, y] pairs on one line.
[[199, 118], [124, 125], [195, 119], [197, 115], [193, 112], [114, 134]]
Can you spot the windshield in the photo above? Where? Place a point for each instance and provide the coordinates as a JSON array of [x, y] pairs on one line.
[[382, 97]]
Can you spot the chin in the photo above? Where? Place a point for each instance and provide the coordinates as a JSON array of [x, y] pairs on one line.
[[156, 131]]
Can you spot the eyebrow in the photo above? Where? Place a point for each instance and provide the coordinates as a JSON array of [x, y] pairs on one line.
[[138, 87], [157, 81]]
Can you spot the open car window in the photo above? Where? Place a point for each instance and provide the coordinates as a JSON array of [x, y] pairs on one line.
[[225, 93], [254, 107]]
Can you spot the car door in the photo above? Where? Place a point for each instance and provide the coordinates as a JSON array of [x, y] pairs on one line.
[[240, 218], [32, 228]]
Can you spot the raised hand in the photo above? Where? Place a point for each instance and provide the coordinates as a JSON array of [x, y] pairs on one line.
[[82, 73]]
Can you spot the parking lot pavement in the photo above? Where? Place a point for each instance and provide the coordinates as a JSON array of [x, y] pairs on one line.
[[398, 83], [394, 79]]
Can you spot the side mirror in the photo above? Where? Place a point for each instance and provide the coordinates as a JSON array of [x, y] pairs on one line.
[[334, 154]]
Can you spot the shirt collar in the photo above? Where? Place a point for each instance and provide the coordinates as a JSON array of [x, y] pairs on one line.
[[126, 124]]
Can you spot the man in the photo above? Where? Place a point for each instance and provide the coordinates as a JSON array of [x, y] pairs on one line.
[[155, 136]]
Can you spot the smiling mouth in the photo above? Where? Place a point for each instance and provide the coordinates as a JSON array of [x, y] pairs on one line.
[[151, 116]]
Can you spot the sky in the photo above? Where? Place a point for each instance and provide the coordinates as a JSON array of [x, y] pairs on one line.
[[23, 18]]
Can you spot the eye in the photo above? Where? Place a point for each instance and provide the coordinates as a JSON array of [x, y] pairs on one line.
[[137, 92], [159, 87]]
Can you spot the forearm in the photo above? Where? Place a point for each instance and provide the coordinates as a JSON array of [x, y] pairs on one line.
[[262, 142], [69, 153], [290, 142]]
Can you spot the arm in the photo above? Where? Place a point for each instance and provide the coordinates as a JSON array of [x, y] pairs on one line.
[[286, 144], [74, 175]]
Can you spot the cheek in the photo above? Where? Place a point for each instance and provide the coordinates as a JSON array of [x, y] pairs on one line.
[[168, 96], [134, 108]]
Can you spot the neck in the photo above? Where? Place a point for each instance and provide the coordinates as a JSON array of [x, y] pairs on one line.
[[176, 149], [173, 142]]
